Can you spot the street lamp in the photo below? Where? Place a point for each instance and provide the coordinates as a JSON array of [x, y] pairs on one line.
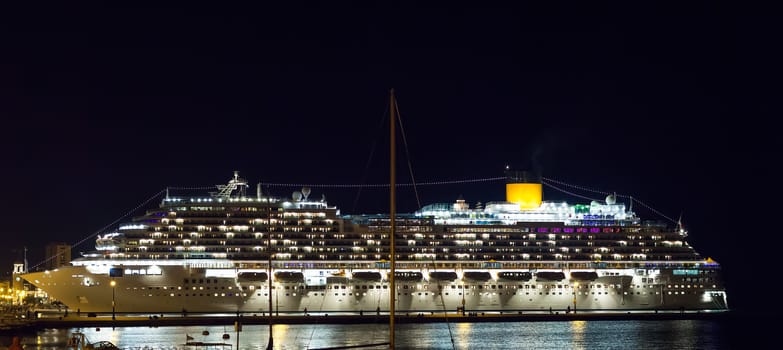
[[576, 286], [112, 283]]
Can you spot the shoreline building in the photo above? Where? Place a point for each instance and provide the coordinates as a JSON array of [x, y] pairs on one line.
[[57, 254]]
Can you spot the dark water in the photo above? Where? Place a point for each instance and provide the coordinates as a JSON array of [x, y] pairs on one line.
[[670, 335]]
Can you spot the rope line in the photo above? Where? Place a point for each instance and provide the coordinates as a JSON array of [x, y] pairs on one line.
[[369, 159], [104, 228], [602, 192], [570, 193], [582, 188], [651, 209], [407, 155]]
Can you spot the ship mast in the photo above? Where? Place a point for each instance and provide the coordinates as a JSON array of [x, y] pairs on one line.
[[392, 215]]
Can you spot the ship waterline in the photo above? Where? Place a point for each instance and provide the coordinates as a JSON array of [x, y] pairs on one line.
[[211, 254]]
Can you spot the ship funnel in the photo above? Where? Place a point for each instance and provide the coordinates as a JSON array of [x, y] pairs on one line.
[[523, 188]]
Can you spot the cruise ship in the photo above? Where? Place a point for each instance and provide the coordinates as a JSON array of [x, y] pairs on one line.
[[211, 254]]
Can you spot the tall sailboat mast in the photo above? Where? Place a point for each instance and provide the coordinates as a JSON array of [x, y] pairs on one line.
[[392, 216], [270, 344]]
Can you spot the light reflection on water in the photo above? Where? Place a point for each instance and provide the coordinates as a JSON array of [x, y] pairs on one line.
[[578, 334], [672, 335]]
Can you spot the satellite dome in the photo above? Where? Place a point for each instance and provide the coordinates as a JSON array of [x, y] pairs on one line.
[[297, 196], [611, 199]]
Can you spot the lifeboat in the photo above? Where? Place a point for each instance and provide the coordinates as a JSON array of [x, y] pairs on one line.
[[367, 276], [443, 275], [482, 276], [252, 277], [550, 276], [289, 276], [584, 275]]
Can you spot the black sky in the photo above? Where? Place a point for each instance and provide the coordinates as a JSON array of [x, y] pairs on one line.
[[103, 106]]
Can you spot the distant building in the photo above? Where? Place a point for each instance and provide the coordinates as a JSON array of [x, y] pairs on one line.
[[6, 293], [57, 254], [17, 283]]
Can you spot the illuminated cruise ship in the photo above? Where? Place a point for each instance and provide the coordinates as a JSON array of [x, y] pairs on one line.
[[212, 254]]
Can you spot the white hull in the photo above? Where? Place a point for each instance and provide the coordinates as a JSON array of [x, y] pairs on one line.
[[220, 290]]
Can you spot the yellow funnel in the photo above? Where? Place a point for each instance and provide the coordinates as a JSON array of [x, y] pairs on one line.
[[527, 195]]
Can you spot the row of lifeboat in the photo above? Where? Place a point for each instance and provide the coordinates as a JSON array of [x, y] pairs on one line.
[[414, 276]]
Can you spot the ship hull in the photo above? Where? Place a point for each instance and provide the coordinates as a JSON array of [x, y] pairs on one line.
[[175, 289]]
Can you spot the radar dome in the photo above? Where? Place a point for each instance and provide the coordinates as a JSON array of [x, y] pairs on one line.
[[297, 196], [611, 199]]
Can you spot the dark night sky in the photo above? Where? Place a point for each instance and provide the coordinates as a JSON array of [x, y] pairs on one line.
[[103, 107]]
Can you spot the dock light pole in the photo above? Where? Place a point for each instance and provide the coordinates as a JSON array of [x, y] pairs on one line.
[[576, 286], [113, 284]]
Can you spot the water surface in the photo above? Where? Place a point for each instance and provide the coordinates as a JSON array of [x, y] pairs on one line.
[[670, 335]]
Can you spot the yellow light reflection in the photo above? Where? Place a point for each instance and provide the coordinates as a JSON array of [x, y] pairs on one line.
[[578, 334], [279, 331], [115, 336], [463, 331]]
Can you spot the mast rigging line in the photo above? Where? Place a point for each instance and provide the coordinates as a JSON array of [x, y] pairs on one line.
[[569, 193], [407, 153], [104, 228], [650, 208], [369, 160]]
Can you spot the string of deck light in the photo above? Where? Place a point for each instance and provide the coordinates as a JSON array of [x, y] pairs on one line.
[[445, 182]]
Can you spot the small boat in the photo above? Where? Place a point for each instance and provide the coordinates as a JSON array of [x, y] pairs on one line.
[[201, 344], [107, 345], [79, 341]]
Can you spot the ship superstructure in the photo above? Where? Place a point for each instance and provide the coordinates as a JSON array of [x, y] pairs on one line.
[[211, 254]]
